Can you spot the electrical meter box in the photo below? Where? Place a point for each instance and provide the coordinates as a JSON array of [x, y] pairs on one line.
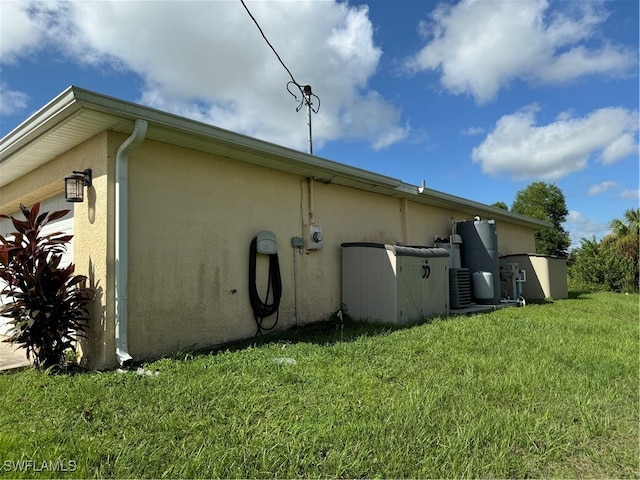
[[315, 237], [393, 283]]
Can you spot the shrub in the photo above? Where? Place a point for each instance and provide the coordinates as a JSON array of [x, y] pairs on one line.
[[610, 264], [48, 309]]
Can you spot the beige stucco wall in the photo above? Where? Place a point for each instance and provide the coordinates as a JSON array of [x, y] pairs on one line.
[[514, 239], [191, 219], [546, 276]]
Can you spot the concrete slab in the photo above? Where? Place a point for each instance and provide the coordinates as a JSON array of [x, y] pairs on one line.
[[475, 308], [11, 357]]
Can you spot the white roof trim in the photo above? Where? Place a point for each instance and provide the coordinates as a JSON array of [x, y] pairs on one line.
[[56, 121]]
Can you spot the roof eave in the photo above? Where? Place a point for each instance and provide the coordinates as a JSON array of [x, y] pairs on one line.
[[46, 118], [74, 100], [472, 208]]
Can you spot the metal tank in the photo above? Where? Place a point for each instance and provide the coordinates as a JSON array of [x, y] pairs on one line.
[[480, 252]]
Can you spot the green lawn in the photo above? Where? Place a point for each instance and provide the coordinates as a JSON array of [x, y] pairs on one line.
[[548, 390]]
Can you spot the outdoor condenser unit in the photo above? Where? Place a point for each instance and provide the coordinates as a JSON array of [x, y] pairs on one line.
[[394, 284], [459, 287]]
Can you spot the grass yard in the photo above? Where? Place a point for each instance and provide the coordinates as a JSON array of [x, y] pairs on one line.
[[548, 390]]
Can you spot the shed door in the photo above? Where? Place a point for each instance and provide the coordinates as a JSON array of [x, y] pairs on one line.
[[410, 294], [436, 287], [64, 225]]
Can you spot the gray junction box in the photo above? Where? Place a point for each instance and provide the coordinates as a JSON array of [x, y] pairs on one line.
[[394, 284]]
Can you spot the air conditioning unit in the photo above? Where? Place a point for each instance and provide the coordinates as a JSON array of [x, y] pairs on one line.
[[459, 288]]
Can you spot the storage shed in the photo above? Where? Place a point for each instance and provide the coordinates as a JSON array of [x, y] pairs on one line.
[[546, 275], [394, 283]]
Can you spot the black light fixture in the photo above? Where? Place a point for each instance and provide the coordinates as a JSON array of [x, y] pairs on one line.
[[74, 185]]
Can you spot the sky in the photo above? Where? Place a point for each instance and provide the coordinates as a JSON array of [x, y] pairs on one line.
[[476, 98]]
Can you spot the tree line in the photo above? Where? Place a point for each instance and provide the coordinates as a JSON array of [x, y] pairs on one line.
[[607, 264]]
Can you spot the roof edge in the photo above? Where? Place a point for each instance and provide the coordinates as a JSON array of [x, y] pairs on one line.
[[95, 101], [47, 117], [446, 200], [74, 100]]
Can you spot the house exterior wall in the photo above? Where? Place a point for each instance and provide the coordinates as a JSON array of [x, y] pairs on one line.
[[91, 230], [192, 217], [514, 239]]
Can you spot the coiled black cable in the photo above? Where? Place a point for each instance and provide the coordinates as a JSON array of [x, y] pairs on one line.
[[262, 309]]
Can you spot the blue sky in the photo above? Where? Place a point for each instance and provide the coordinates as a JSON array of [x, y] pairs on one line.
[[477, 98]]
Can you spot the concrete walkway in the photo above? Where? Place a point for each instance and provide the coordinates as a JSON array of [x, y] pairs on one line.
[[12, 358]]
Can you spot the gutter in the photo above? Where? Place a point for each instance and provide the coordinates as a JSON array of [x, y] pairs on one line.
[[446, 200], [122, 243], [74, 103]]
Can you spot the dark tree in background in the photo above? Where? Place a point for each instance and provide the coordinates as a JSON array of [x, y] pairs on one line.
[[501, 205], [546, 202]]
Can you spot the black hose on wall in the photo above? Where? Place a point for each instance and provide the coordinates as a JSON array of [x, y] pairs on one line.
[[262, 310]]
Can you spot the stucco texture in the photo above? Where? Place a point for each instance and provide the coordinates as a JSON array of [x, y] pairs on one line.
[[192, 216]]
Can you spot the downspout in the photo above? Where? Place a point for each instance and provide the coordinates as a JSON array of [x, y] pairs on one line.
[[122, 244]]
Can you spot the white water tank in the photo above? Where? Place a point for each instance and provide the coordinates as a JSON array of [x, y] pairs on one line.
[[483, 287]]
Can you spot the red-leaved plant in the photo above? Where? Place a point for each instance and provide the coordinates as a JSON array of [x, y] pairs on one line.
[[47, 309]]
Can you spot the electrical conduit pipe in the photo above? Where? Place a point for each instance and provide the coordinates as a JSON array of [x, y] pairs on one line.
[[122, 243]]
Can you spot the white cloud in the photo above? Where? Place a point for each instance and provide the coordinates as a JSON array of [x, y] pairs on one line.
[[517, 145], [207, 60], [630, 194], [11, 101], [473, 131], [371, 114], [479, 47], [602, 187], [619, 148], [579, 227], [21, 31]]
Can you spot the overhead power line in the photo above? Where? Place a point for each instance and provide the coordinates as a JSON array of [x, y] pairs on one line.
[[305, 90]]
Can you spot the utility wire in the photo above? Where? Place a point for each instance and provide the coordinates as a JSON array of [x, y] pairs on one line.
[[269, 43], [304, 91]]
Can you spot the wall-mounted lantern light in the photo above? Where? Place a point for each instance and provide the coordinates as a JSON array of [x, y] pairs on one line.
[[74, 185]]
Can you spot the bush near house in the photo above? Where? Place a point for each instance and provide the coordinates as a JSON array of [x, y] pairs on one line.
[[47, 307]]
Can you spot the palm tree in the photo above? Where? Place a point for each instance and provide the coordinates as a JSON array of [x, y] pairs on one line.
[[629, 226]]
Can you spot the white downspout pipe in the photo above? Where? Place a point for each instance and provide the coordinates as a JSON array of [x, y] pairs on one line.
[[122, 244]]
